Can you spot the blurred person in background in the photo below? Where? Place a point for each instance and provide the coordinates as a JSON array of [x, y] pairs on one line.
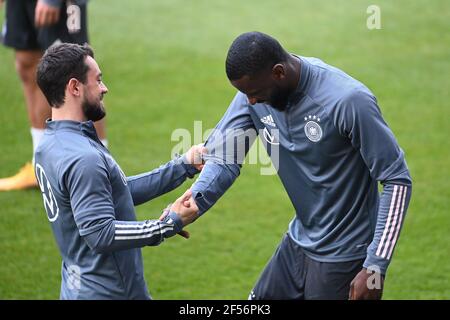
[[31, 26]]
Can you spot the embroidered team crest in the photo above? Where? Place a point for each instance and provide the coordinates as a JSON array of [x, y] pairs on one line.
[[313, 130]]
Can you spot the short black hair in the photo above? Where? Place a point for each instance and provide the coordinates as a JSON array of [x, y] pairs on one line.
[[251, 53], [59, 64]]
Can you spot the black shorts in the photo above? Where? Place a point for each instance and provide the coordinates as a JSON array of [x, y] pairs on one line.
[[292, 275], [19, 30]]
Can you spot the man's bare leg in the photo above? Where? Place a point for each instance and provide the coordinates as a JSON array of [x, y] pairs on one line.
[[37, 106], [38, 110]]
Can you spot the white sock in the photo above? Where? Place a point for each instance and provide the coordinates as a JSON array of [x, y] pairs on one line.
[[104, 142], [36, 136]]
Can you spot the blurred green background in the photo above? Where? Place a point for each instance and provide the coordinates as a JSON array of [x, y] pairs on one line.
[[163, 62]]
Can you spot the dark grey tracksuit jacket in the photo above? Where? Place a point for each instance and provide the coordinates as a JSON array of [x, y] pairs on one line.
[[331, 147], [90, 204]]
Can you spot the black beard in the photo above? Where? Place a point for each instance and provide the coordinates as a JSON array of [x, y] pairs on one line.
[[279, 99], [93, 111]]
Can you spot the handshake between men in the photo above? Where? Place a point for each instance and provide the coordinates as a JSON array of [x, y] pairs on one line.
[[185, 206]]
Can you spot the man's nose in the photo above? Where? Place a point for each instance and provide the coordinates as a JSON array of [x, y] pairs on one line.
[[104, 89]]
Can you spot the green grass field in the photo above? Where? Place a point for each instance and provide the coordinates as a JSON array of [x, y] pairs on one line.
[[163, 62]]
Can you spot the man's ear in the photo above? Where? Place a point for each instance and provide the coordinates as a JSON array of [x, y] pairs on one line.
[[278, 71], [74, 87]]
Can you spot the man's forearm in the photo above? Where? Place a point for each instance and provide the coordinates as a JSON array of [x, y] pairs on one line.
[[117, 235], [391, 213], [147, 186], [214, 180]]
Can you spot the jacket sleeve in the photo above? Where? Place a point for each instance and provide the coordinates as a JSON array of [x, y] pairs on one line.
[[147, 186], [87, 182], [227, 147], [359, 118], [54, 3]]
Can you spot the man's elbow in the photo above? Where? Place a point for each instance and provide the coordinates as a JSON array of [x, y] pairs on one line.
[[101, 249], [99, 243]]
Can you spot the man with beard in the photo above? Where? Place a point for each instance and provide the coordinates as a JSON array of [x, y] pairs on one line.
[[331, 145], [87, 197]]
